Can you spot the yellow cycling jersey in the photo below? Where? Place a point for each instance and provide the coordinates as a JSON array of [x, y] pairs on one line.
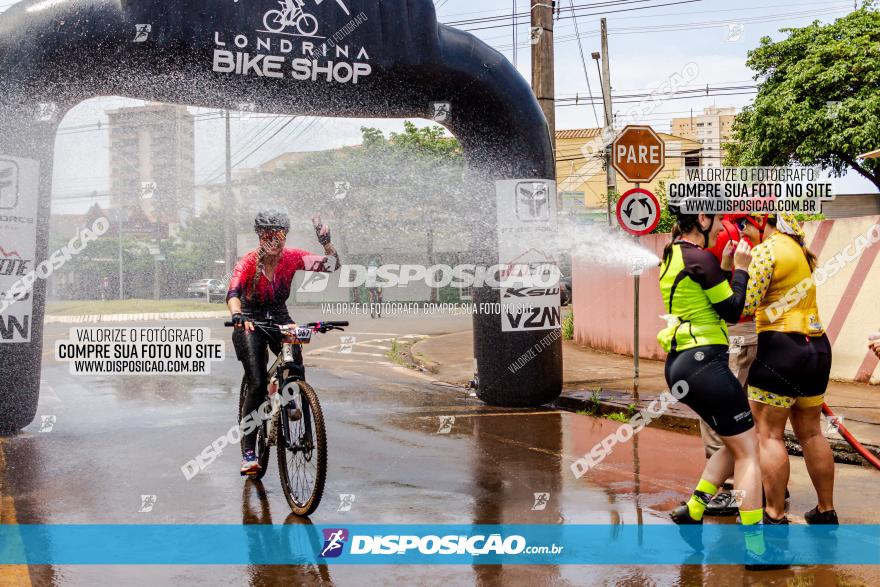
[[781, 293]]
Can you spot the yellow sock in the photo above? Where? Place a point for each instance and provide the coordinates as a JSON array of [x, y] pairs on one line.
[[700, 499], [754, 536], [750, 517]]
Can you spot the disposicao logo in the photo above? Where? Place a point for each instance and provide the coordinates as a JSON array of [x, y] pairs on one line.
[[334, 541]]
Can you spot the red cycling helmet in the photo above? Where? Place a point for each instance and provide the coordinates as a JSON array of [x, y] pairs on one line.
[[729, 232]]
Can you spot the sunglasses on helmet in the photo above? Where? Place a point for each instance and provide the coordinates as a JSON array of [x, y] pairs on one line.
[[759, 224]]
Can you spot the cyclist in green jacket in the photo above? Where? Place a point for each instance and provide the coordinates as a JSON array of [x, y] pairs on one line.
[[700, 301]]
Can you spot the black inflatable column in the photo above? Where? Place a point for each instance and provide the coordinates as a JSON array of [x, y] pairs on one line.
[[518, 354], [27, 140]]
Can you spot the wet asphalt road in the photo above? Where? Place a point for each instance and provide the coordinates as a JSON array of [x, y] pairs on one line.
[[115, 439]]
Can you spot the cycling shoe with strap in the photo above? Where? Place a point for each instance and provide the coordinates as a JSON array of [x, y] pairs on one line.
[[723, 504], [814, 516], [682, 517], [770, 560]]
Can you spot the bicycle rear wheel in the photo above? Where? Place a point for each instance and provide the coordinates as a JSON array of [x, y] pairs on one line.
[[302, 451], [262, 447]]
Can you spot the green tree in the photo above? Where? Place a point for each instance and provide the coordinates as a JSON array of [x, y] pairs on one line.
[[667, 220], [407, 193], [818, 99]]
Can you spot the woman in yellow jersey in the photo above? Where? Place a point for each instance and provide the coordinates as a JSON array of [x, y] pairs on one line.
[[790, 373]]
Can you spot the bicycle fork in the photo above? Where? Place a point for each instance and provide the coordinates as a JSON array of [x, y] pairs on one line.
[[302, 408]]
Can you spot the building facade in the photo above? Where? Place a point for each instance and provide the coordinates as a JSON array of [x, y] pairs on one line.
[[580, 170], [711, 129], [152, 161]]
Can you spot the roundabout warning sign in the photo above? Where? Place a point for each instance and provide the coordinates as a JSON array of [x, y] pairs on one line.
[[638, 211]]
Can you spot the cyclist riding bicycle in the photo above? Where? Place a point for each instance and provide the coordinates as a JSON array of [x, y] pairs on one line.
[[258, 290]]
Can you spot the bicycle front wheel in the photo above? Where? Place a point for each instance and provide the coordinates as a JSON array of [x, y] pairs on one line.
[[307, 25], [302, 451]]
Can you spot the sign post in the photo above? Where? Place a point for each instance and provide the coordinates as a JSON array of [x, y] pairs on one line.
[[638, 154]]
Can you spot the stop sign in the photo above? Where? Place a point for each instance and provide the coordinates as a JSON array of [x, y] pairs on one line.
[[638, 154]]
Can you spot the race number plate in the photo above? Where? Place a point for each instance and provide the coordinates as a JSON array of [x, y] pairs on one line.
[[302, 335]]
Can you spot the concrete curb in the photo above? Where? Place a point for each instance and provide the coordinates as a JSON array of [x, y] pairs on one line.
[[91, 319], [843, 452]]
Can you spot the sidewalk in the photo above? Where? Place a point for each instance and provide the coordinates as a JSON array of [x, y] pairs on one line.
[[141, 317], [587, 372]]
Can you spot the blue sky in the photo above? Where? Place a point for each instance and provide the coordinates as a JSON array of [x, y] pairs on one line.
[[708, 37]]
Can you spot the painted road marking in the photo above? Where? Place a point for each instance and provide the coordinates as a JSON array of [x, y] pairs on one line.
[[14, 575], [383, 363], [338, 352], [367, 343]]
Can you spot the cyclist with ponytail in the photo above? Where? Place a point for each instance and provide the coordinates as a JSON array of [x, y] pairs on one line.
[[790, 373], [743, 344], [700, 301], [258, 290]]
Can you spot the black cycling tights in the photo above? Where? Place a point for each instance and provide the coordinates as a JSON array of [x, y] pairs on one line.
[[251, 348], [713, 391]]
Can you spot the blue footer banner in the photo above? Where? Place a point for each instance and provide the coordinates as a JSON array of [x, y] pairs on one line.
[[297, 544]]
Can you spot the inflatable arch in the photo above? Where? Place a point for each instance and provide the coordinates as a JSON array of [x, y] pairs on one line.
[[340, 58]]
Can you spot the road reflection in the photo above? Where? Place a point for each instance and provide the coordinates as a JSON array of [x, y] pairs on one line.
[[269, 575]]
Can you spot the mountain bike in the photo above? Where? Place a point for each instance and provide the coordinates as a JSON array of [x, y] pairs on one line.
[[291, 14], [295, 424]]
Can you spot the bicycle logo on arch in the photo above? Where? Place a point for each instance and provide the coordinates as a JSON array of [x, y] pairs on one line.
[[293, 15]]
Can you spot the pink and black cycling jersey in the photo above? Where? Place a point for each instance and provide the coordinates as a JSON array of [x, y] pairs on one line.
[[270, 298]]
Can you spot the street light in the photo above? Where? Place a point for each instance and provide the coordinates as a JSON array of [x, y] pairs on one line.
[[120, 218], [148, 189], [596, 57]]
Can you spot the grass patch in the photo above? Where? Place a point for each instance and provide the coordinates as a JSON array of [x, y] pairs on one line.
[[593, 405], [568, 325], [95, 307], [401, 354]]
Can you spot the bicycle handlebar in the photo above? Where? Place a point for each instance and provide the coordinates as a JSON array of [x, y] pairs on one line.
[[315, 326]]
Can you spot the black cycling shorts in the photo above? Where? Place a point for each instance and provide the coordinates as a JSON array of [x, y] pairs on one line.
[[791, 364], [713, 392]]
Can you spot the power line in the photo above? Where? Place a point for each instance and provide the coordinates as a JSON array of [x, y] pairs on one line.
[[482, 28], [258, 147], [245, 144], [645, 30], [583, 62], [526, 15]]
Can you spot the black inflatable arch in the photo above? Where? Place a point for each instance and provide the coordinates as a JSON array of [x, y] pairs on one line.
[[390, 59]]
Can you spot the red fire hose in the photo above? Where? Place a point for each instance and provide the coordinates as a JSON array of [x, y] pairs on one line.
[[866, 454]]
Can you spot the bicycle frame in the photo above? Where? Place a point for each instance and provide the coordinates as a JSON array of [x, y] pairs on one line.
[[288, 370]]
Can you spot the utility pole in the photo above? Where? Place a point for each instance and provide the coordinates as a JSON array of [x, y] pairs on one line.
[[611, 176], [119, 221], [157, 250], [228, 233], [514, 33], [542, 61]]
